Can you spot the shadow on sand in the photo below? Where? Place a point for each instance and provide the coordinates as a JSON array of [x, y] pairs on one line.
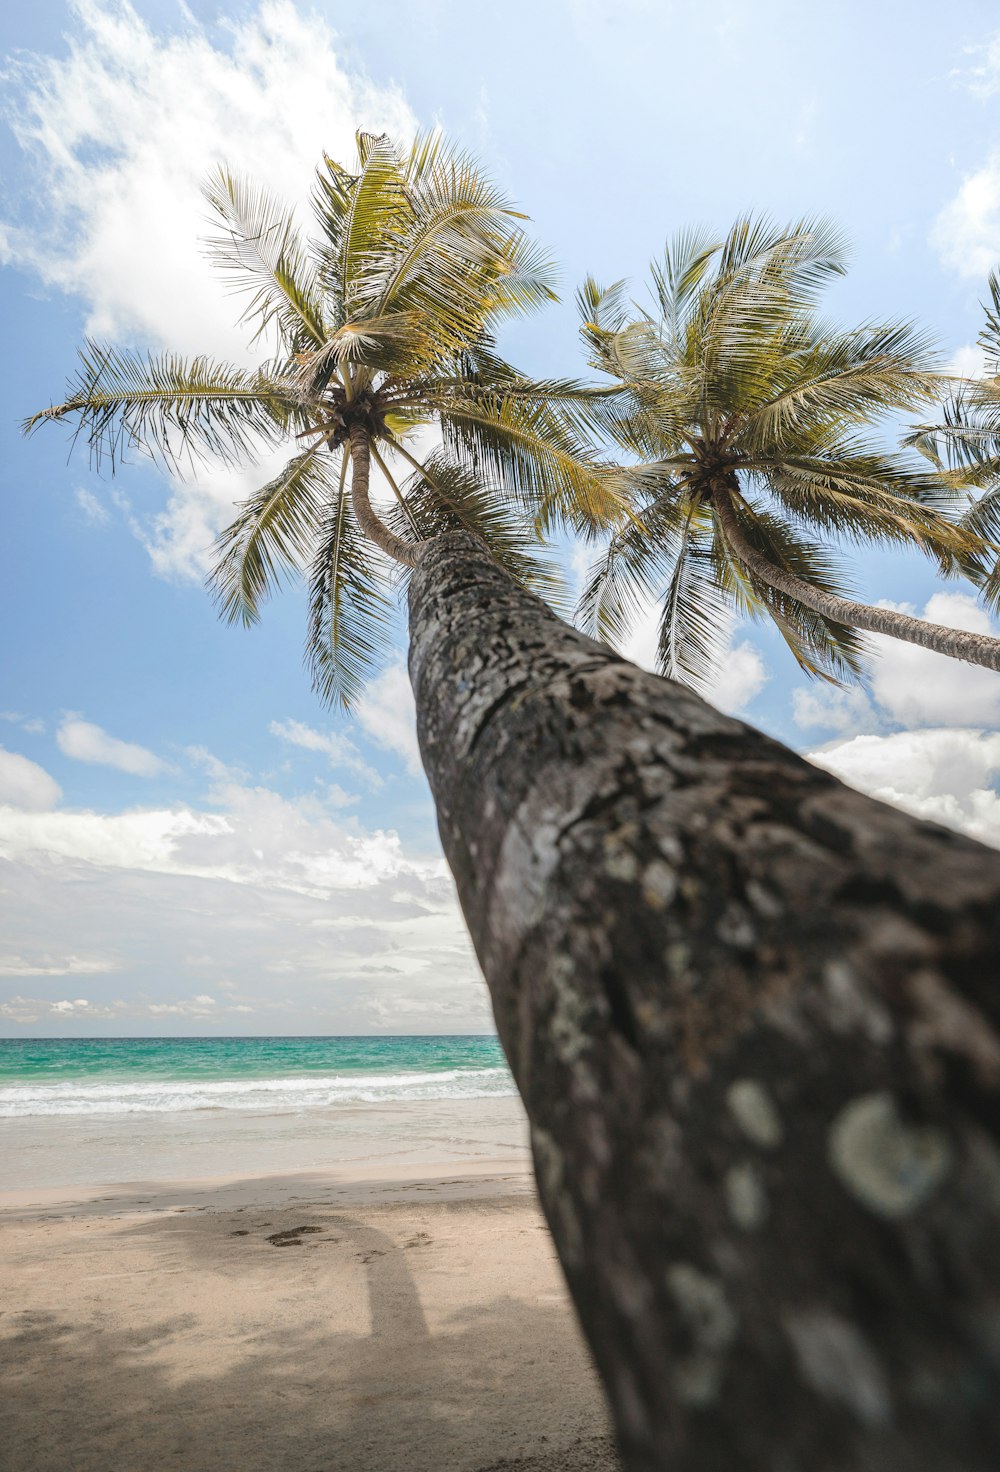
[[295, 1339]]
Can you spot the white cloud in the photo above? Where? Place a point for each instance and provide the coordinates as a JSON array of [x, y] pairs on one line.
[[740, 673], [122, 131], [832, 708], [968, 361], [46, 965], [943, 775], [24, 784], [85, 742], [982, 77], [339, 750], [125, 128], [945, 767], [911, 686], [740, 676], [93, 509], [917, 687], [264, 905], [389, 716], [966, 233]]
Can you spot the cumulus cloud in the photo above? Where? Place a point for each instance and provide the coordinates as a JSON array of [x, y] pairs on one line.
[[946, 776], [124, 129], [741, 675], [121, 132], [24, 784], [945, 766], [263, 906], [911, 686], [966, 233], [918, 687], [389, 716], [85, 742]]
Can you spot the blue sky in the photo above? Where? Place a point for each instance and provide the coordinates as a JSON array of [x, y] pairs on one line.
[[188, 842]]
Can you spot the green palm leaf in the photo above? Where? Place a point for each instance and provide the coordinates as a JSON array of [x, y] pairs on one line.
[[349, 614], [272, 535], [261, 253], [170, 407], [443, 496]]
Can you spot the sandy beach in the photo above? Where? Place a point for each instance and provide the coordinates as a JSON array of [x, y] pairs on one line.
[[316, 1321]]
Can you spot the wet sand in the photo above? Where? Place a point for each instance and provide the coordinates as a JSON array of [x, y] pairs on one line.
[[301, 1323]]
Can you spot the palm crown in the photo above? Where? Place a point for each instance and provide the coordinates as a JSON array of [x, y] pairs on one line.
[[966, 445], [743, 413], [385, 325]]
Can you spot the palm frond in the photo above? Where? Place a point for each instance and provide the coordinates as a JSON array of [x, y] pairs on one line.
[[271, 537], [168, 406], [694, 621], [444, 496], [260, 252], [634, 567], [349, 615], [536, 454], [822, 647], [841, 378]]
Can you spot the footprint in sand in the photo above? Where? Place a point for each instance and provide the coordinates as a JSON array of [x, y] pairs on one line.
[[292, 1237]]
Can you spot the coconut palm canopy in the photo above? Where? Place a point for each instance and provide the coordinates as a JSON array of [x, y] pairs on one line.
[[966, 445], [384, 322], [746, 416]]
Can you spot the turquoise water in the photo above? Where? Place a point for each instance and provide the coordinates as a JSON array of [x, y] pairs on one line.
[[114, 1076]]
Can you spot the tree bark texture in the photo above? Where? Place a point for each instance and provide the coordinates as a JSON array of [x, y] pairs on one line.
[[753, 1018], [981, 649]]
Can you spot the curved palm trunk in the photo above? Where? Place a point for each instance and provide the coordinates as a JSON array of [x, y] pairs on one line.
[[754, 1019], [979, 649], [372, 525]]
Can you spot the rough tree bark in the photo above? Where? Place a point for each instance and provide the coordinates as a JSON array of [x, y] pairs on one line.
[[982, 649], [753, 1018]]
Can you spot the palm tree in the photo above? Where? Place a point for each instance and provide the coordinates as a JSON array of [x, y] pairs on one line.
[[754, 1161], [384, 328], [965, 447], [745, 415]]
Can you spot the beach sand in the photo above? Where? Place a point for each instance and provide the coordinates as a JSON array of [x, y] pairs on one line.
[[299, 1323]]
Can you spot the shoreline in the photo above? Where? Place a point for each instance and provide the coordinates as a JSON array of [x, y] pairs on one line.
[[419, 1321]]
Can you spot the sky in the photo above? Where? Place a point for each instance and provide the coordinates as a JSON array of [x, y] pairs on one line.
[[189, 842]]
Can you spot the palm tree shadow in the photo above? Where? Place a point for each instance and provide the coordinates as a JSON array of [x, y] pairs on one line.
[[373, 1393]]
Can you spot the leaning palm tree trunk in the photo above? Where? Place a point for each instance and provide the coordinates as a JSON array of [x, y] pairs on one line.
[[979, 649], [752, 1016]]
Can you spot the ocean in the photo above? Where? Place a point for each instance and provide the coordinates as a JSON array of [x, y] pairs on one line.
[[112, 1076], [75, 1110]]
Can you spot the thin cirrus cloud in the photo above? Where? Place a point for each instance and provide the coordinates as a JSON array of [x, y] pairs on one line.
[[85, 742], [121, 133]]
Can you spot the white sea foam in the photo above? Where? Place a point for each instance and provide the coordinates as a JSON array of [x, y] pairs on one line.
[[269, 1095]]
